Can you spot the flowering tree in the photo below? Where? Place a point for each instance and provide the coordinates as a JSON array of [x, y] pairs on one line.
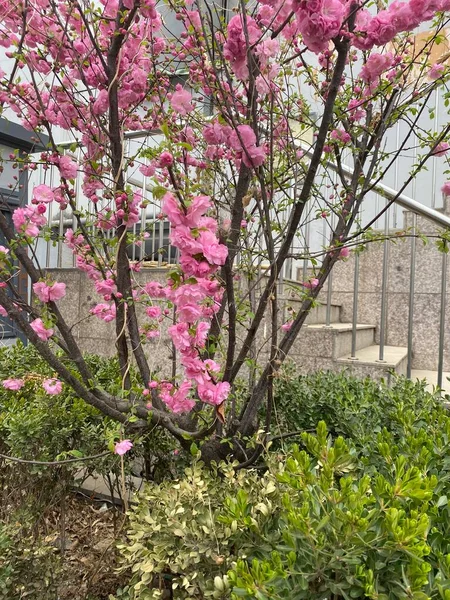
[[234, 183]]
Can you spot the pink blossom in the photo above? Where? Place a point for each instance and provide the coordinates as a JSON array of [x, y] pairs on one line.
[[235, 47], [216, 133], [165, 159], [105, 286], [155, 289], [13, 384], [122, 447], [3, 312], [441, 149], [375, 65], [243, 137], [436, 71], [28, 220], [172, 209], [244, 140], [49, 293], [214, 394], [313, 283], [53, 387], [101, 104], [152, 334], [67, 167], [214, 252], [41, 330], [106, 312], [180, 336], [177, 401], [198, 207], [344, 253], [43, 193], [4, 250], [191, 266], [319, 21], [445, 189], [153, 312], [340, 135], [287, 326], [147, 170], [201, 334], [356, 110], [181, 101]]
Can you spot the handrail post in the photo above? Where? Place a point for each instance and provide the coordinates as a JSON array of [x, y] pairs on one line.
[[355, 305], [442, 320], [412, 274], [384, 278]]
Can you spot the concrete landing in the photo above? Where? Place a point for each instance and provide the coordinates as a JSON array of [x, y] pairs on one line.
[[367, 363], [431, 377], [393, 355]]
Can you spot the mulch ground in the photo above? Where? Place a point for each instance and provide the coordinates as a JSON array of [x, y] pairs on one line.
[[85, 537]]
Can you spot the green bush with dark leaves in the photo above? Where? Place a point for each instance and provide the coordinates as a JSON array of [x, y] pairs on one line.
[[328, 518], [351, 407]]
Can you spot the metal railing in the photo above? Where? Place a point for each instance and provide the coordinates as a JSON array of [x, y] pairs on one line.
[[439, 220]]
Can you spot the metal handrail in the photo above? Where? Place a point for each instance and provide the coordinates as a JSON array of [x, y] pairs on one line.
[[391, 194]]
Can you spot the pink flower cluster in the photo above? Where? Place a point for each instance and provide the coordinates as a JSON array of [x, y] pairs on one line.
[[181, 101], [196, 298], [126, 211], [339, 135], [13, 384], [53, 387], [41, 330], [29, 219], [242, 141], [235, 47], [49, 293], [375, 65], [319, 21], [122, 447], [396, 18], [105, 312]]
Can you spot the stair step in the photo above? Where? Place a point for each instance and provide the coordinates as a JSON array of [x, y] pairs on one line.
[[366, 361], [431, 378], [331, 341], [318, 314]]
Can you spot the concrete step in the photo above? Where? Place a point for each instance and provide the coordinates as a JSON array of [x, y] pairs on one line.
[[367, 363], [431, 378], [331, 342], [318, 314]]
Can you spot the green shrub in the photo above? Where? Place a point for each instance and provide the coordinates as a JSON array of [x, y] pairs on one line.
[[29, 568], [351, 407], [333, 519]]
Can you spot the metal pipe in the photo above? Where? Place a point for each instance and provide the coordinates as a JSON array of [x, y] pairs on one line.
[[412, 275], [396, 169], [433, 162], [384, 279], [442, 320], [306, 250], [330, 280], [355, 306], [143, 222], [401, 199], [329, 293]]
